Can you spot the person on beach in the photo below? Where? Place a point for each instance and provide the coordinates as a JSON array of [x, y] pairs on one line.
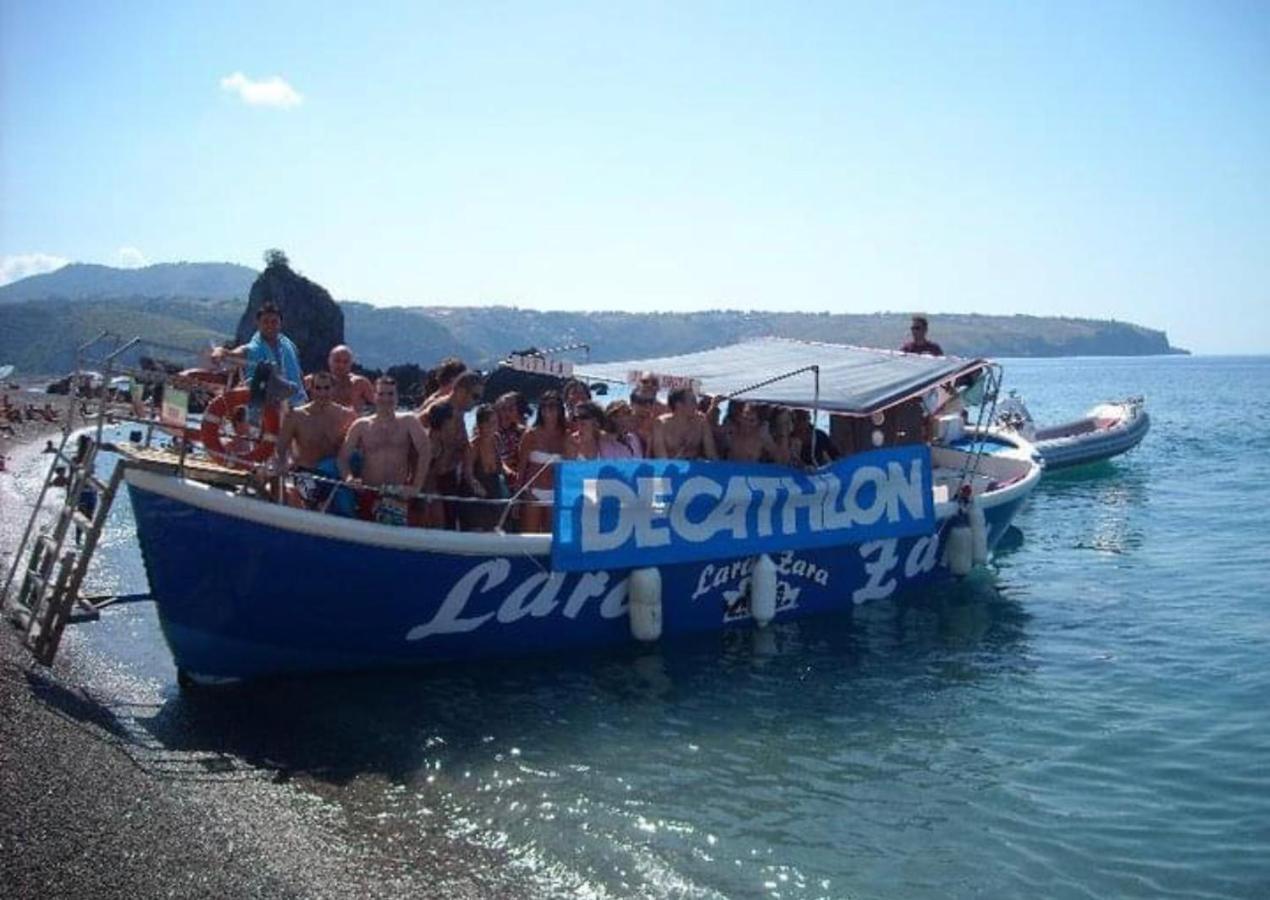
[[316, 431], [919, 343], [269, 345], [351, 390], [385, 441], [683, 433]]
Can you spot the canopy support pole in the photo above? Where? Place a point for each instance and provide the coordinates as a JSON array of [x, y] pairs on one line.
[[815, 413]]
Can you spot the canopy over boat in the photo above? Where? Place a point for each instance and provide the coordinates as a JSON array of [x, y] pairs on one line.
[[853, 380]]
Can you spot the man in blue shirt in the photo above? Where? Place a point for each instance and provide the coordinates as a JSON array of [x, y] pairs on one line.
[[270, 345]]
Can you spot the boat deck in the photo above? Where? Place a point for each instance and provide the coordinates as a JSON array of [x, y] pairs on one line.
[[197, 468]]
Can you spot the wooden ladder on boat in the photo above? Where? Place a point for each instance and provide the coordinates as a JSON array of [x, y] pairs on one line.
[[50, 581]]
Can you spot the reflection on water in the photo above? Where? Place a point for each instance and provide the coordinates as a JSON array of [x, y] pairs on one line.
[[725, 760], [1106, 501]]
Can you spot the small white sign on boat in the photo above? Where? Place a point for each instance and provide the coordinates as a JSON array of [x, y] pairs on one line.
[[666, 382], [539, 365]]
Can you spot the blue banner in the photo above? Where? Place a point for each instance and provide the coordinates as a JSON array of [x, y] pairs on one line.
[[616, 514]]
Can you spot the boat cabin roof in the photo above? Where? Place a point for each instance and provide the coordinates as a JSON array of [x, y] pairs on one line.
[[853, 380]]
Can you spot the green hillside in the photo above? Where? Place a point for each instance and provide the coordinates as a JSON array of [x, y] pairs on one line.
[[77, 281], [45, 317]]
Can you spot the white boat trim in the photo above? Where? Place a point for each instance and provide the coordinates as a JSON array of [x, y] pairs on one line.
[[464, 543], [470, 543]]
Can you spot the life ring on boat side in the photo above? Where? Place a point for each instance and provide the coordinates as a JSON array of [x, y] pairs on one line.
[[205, 377], [225, 406]]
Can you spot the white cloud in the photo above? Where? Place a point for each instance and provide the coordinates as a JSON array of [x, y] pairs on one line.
[[266, 92], [23, 265], [130, 258]]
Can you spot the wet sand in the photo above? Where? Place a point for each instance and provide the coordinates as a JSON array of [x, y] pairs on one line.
[[89, 808]]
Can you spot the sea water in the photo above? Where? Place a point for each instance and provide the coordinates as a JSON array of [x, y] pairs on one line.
[[1087, 720]]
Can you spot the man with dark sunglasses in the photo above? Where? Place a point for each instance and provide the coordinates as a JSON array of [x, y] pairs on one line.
[[919, 344], [316, 432], [646, 407]]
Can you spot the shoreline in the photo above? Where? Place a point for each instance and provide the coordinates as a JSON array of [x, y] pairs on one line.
[[95, 805]]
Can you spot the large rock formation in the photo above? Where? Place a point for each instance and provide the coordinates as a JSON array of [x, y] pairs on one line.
[[309, 316]]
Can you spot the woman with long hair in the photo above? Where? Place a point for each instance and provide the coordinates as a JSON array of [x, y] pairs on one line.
[[483, 475], [542, 446], [584, 436]]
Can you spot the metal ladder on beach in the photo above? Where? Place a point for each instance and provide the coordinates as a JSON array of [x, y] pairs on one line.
[[50, 580]]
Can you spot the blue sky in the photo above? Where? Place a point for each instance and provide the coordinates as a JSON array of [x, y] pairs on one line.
[[1107, 159]]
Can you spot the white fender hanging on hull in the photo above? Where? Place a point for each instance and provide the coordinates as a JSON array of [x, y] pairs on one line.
[[763, 590], [644, 602], [959, 546], [978, 533]]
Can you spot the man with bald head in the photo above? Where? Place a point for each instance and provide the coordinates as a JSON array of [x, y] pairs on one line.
[[354, 391]]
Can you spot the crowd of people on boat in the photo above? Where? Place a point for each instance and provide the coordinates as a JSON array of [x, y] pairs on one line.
[[348, 447]]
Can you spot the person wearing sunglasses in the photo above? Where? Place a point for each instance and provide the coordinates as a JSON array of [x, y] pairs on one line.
[[620, 440], [919, 343], [584, 437], [315, 432]]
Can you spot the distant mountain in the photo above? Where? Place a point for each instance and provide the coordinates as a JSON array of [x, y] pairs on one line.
[[619, 335], [79, 281], [43, 319]]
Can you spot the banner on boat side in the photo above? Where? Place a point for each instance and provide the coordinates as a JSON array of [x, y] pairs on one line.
[[629, 513]]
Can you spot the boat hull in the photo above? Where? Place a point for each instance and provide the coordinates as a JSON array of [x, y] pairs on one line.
[[245, 588], [1094, 444]]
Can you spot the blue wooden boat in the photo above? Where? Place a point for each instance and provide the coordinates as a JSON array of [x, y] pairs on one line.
[[245, 587]]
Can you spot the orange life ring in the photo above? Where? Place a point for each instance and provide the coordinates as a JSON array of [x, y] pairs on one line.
[[205, 376], [223, 407]]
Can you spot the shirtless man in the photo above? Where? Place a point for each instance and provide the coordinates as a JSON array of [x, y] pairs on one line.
[[354, 391], [385, 440], [683, 433], [316, 429], [749, 440], [465, 392], [446, 373]]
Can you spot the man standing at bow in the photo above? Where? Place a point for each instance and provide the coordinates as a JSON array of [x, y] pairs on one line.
[[270, 345]]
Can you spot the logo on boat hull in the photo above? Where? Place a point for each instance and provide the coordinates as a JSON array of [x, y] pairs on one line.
[[538, 595], [731, 582]]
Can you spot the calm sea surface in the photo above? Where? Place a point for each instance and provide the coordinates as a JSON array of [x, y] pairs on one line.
[[1091, 720]]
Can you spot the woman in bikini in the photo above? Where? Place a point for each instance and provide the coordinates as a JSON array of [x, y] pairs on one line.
[[542, 446]]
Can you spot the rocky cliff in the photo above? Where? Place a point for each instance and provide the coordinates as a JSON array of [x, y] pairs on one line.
[[310, 317]]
